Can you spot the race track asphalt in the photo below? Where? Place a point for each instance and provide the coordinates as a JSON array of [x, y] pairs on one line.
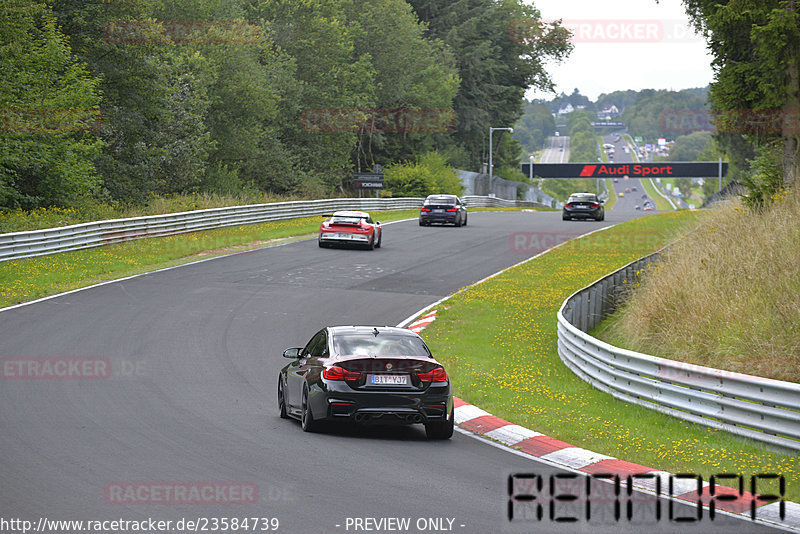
[[195, 352]]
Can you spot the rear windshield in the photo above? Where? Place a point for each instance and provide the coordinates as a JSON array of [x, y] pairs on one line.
[[440, 200], [582, 198], [380, 345], [341, 219]]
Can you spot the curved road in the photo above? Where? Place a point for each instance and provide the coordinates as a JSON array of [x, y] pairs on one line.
[[195, 353]]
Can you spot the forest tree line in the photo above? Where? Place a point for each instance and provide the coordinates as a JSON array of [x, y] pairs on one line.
[[121, 100]]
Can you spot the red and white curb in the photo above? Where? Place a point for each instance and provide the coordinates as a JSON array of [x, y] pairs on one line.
[[422, 322], [554, 451]]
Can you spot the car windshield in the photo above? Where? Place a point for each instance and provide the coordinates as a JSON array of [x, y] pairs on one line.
[[582, 198], [380, 345], [440, 200]]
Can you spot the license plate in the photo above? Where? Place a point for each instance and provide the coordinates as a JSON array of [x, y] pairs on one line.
[[438, 211], [344, 236], [388, 380]]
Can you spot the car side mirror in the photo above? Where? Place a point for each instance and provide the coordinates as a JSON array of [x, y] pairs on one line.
[[293, 353], [378, 223]]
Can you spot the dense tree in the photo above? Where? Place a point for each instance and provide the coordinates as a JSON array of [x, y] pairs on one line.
[[48, 112], [620, 99], [496, 63], [534, 126], [271, 95], [582, 140], [689, 147], [155, 95], [756, 49], [411, 73], [651, 116]]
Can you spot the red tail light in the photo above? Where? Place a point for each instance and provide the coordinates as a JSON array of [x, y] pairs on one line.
[[452, 209], [425, 209], [338, 373], [568, 205], [595, 206], [435, 375]]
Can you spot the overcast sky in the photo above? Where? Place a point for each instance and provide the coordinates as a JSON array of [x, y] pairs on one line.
[[626, 44]]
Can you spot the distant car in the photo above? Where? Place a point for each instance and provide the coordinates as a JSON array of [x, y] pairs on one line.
[[633, 189], [350, 228], [366, 374], [637, 207], [616, 180], [583, 206], [444, 209], [621, 194], [628, 190], [648, 206]]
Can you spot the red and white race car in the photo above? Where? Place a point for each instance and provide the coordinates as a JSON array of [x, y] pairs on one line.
[[350, 227]]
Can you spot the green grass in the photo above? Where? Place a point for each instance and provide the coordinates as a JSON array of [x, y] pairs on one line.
[[696, 194], [612, 195], [603, 154], [650, 188], [498, 341]]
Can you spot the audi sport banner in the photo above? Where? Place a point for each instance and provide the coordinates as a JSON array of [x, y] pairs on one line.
[[667, 169]]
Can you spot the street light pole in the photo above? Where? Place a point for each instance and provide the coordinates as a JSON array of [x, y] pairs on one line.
[[530, 170], [490, 147]]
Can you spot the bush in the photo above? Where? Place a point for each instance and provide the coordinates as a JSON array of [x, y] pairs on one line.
[[429, 175], [765, 179]]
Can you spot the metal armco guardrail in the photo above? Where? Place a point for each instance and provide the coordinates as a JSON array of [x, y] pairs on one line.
[[758, 408], [19, 245]]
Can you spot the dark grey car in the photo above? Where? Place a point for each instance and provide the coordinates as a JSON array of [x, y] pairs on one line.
[[443, 209], [366, 374], [583, 206]]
